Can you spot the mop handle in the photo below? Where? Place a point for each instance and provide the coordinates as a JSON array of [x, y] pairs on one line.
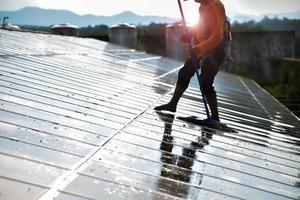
[[194, 59]]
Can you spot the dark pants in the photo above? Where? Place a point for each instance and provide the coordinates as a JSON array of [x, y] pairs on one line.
[[209, 69]]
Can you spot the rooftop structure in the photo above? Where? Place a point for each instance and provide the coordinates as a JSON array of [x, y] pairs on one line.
[[123, 34], [77, 122], [11, 27], [65, 29]]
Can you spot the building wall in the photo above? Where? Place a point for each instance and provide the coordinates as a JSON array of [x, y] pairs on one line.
[[152, 43], [174, 48], [65, 31], [253, 50], [123, 36]]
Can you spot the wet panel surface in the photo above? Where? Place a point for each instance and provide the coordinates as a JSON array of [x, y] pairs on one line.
[[217, 140], [77, 122], [178, 181], [94, 188], [28, 171], [37, 138], [11, 189], [230, 171]]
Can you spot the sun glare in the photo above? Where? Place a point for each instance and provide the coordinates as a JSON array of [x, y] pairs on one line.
[[192, 19], [191, 11]]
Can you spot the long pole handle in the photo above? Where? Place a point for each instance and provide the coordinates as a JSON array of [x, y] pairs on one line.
[[194, 59]]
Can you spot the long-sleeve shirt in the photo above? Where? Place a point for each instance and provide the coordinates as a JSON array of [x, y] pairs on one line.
[[209, 32]]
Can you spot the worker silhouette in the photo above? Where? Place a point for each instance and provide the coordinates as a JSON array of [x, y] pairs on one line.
[[210, 40], [179, 167]]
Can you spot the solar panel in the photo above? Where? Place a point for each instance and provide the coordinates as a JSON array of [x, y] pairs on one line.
[[77, 122]]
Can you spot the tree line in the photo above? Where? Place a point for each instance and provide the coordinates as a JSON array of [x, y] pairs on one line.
[[266, 24]]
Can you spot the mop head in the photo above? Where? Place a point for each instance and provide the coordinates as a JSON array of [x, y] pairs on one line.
[[213, 125]]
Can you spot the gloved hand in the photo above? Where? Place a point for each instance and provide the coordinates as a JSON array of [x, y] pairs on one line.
[[195, 51], [184, 38]]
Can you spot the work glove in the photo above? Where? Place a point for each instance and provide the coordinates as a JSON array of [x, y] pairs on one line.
[[195, 51], [184, 38]]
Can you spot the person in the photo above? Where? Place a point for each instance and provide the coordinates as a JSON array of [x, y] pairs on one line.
[[209, 44]]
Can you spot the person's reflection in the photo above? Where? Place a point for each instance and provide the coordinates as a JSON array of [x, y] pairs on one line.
[[178, 167], [297, 184]]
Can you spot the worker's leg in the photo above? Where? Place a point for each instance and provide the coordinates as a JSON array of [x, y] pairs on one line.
[[209, 69], [184, 76]]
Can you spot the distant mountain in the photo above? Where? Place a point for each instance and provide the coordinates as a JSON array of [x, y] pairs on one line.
[[46, 17], [242, 18]]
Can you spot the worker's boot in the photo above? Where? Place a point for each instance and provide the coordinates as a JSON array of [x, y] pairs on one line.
[[171, 106], [213, 105]]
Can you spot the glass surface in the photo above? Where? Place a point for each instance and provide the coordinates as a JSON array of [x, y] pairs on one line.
[[11, 189], [22, 169], [62, 98]]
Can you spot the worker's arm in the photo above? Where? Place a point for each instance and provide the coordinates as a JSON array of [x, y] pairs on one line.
[[217, 17], [185, 38]]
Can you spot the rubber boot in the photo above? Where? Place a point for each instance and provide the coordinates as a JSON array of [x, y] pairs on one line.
[[213, 105], [172, 105]]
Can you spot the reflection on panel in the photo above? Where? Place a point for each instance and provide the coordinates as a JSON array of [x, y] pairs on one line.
[[77, 122]]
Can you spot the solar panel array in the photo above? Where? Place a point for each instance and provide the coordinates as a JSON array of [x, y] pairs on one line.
[[77, 122]]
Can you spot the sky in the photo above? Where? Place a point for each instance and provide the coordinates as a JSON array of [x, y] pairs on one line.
[[153, 7]]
